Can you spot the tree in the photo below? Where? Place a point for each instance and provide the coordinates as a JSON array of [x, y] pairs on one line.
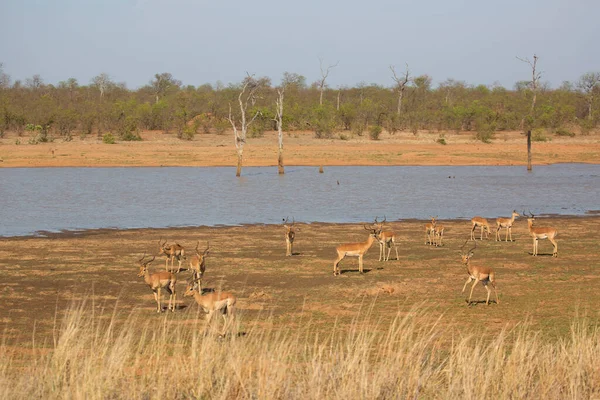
[[4, 78], [324, 75], [162, 83], [535, 80], [248, 94], [279, 122], [587, 84], [400, 85], [102, 82]]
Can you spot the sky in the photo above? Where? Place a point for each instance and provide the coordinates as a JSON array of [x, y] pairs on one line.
[[200, 42]]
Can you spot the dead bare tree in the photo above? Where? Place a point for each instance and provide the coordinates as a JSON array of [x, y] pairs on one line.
[[102, 82], [279, 121], [534, 84], [324, 75], [247, 95], [400, 85]]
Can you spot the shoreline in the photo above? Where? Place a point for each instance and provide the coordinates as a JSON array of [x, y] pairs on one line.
[[85, 233]]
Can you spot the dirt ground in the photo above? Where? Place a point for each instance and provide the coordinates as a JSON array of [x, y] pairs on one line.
[[42, 276], [300, 148]]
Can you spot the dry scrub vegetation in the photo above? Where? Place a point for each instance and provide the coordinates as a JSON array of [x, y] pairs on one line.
[[78, 322]]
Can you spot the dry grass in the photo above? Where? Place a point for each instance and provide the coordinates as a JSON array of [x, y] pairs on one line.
[[95, 356]]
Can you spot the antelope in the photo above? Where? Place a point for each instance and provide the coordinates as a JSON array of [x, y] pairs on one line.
[[158, 281], [290, 234], [355, 250], [385, 239], [481, 222], [210, 303], [539, 232], [506, 223], [174, 251], [438, 235], [198, 263], [477, 273], [429, 230]]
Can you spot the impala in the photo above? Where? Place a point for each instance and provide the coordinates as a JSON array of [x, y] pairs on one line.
[[158, 281], [506, 223], [355, 250], [174, 251], [210, 303], [290, 234], [198, 263], [480, 222], [438, 235], [539, 232], [477, 273], [386, 239], [429, 230]]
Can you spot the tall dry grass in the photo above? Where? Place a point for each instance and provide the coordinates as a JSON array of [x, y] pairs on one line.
[[98, 356]]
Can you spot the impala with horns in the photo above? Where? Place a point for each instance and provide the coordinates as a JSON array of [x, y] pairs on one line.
[[477, 273], [198, 263], [158, 281], [210, 303], [540, 232], [483, 224], [429, 230], [355, 250], [290, 235], [174, 251], [506, 223], [386, 239]]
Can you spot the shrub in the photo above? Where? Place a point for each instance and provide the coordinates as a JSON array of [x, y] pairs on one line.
[[538, 135], [441, 140], [108, 138], [564, 132], [485, 132], [374, 132], [130, 137], [344, 136]]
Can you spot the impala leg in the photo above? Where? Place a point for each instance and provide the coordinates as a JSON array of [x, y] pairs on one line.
[[396, 248], [381, 251], [157, 297], [360, 264], [555, 252], [472, 287], [389, 251], [495, 292], [473, 232], [336, 264], [466, 283], [175, 295], [208, 319], [498, 233], [509, 233], [481, 237], [487, 301]]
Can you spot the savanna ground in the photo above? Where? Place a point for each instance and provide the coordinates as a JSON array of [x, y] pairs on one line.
[[301, 148], [344, 336]]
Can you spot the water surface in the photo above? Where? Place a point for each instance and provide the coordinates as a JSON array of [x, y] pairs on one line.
[[54, 199]]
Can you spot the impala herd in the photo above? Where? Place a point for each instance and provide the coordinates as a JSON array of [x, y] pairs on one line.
[[213, 302]]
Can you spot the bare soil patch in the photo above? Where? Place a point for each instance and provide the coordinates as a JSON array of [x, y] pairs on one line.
[[301, 148], [42, 276]]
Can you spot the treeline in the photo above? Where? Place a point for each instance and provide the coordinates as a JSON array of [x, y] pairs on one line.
[[103, 106]]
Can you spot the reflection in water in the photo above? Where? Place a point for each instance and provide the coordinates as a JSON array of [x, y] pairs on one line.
[[54, 199]]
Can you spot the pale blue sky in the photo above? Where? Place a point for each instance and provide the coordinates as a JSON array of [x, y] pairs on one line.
[[202, 41]]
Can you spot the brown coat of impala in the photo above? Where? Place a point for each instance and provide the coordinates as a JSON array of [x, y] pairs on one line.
[[355, 250], [478, 273], [198, 263], [541, 232], [386, 239], [480, 222], [290, 235], [158, 281], [430, 230], [174, 251], [506, 223], [213, 302]]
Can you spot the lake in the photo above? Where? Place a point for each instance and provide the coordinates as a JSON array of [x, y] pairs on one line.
[[35, 200]]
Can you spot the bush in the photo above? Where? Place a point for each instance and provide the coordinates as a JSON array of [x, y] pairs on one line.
[[374, 132], [441, 140], [564, 132], [344, 136], [131, 137], [538, 135], [485, 132], [108, 138]]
